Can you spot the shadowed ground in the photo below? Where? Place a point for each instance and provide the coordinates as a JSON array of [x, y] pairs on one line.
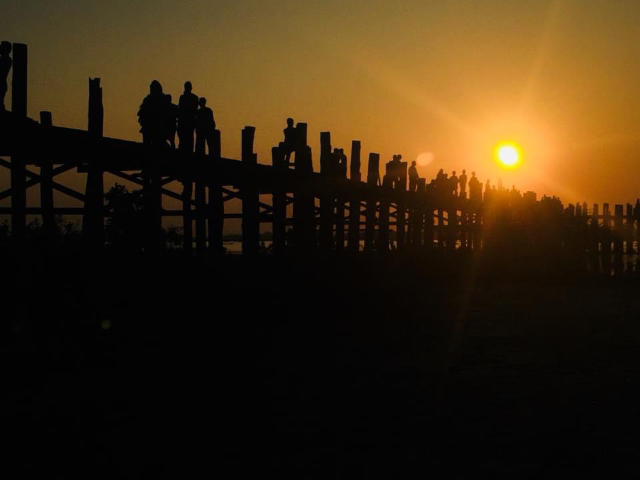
[[336, 369]]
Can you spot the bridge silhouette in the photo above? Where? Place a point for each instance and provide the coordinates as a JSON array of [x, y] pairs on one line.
[[331, 211]]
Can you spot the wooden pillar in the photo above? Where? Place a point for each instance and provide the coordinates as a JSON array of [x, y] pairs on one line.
[[417, 217], [279, 201], [46, 185], [187, 224], [618, 232], [18, 168], [628, 229], [606, 220], [354, 200], [385, 205], [215, 219], [93, 217], [373, 179], [401, 207], [250, 196], [327, 201], [303, 198], [201, 216]]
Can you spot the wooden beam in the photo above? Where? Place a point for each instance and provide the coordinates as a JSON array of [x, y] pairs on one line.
[[250, 197]]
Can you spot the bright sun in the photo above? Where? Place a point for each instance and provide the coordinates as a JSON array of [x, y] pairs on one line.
[[508, 155]]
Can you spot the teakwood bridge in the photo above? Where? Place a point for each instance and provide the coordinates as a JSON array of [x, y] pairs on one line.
[[329, 210]]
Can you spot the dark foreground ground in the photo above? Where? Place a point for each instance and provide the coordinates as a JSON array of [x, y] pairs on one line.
[[333, 369]]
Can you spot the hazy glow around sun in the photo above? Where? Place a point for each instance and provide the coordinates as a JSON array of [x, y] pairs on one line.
[[508, 155]]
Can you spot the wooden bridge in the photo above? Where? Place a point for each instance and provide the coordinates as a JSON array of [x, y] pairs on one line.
[[326, 211]]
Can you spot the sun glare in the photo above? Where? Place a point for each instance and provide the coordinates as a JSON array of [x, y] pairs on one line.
[[508, 155]]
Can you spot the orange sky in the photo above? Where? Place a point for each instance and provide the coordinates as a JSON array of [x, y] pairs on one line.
[[452, 78]]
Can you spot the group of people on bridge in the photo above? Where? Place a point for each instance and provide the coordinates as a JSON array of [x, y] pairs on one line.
[[160, 119]]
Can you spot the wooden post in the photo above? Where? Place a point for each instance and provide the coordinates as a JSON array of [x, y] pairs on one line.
[[201, 217], [187, 224], [373, 179], [250, 196], [279, 201], [606, 220], [618, 233], [93, 218], [628, 227], [216, 203], [418, 214], [327, 201], [18, 168], [46, 185], [385, 205], [401, 208], [303, 199], [354, 201]]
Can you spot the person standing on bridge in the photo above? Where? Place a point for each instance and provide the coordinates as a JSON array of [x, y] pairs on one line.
[[152, 117], [5, 67], [413, 177], [205, 127], [187, 110], [290, 140], [171, 117], [463, 184], [453, 183]]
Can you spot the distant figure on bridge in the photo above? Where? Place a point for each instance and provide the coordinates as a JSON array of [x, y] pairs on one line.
[[187, 110], [475, 192], [453, 183], [152, 116], [462, 180], [290, 140], [342, 163], [205, 127], [171, 117], [5, 67], [413, 177]]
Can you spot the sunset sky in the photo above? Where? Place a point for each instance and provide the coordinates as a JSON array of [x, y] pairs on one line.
[[449, 77]]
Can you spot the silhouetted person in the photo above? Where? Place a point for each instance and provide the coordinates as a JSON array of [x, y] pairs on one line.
[[342, 164], [413, 177], [453, 183], [290, 139], [462, 180], [205, 127], [187, 110], [474, 187], [171, 118], [5, 67], [152, 116]]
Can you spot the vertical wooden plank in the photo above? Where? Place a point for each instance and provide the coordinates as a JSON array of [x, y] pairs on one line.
[[385, 205], [327, 199], [401, 207], [187, 224], [93, 217], [354, 201], [201, 217], [250, 196], [606, 223], [618, 232], [215, 220], [303, 199], [418, 214], [46, 185], [373, 179], [279, 201], [18, 168], [628, 228]]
